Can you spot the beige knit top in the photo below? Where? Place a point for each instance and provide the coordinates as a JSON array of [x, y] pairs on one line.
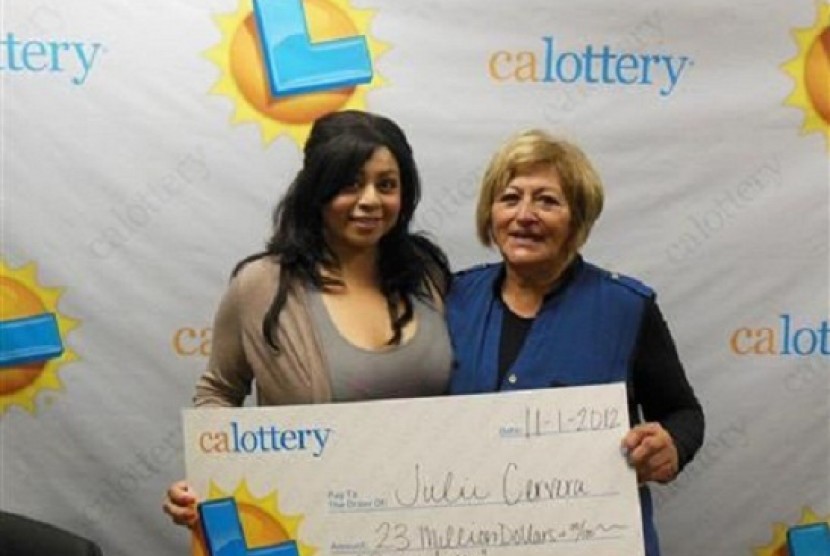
[[296, 374], [239, 355]]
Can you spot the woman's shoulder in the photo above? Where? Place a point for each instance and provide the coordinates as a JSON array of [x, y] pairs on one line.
[[476, 272], [475, 279], [258, 268], [618, 279], [256, 277]]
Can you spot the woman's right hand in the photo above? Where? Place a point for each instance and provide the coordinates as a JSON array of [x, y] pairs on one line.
[[180, 504]]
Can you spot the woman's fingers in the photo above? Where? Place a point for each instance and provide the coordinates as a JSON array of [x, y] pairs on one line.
[[180, 504], [652, 452]]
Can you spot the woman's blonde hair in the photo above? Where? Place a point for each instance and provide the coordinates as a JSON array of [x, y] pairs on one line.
[[527, 152]]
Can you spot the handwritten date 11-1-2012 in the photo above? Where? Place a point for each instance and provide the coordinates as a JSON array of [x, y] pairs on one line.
[[541, 422]]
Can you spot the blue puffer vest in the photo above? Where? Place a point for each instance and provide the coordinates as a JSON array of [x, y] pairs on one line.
[[584, 334]]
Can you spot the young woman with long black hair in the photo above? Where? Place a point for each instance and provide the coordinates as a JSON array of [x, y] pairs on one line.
[[345, 303]]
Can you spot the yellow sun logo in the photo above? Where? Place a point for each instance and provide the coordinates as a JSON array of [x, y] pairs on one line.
[[262, 522], [778, 546], [243, 76], [810, 70], [20, 297]]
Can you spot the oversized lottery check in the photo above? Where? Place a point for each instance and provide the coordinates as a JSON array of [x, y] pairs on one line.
[[524, 473]]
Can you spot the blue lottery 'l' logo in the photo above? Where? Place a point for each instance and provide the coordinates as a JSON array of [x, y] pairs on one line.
[[224, 535], [811, 539], [29, 340], [294, 65]]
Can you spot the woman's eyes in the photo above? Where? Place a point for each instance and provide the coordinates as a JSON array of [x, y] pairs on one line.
[[387, 184], [548, 201], [383, 185], [542, 201]]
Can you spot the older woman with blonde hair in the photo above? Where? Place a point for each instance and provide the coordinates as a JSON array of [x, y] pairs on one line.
[[544, 317]]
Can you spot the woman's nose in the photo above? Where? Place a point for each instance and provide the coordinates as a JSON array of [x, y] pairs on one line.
[[526, 212], [368, 195]]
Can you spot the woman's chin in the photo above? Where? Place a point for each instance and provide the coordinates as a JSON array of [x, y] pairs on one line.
[[528, 262]]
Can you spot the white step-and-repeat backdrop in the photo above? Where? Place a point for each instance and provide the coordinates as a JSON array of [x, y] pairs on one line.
[[141, 158]]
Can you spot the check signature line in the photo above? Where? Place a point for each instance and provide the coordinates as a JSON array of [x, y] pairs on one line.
[[469, 504]]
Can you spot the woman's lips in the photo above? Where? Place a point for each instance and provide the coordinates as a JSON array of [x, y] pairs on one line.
[[365, 222], [525, 238]]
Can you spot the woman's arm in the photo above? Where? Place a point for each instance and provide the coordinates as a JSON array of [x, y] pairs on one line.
[[662, 389], [228, 377]]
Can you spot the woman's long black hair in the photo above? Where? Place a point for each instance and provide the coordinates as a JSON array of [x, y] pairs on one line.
[[336, 150]]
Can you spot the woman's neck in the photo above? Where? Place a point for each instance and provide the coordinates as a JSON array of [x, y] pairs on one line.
[[524, 289], [358, 269]]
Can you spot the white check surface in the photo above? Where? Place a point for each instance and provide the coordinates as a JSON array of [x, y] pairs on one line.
[[531, 472]]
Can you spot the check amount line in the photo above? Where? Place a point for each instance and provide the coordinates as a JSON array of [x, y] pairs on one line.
[[436, 550], [466, 505]]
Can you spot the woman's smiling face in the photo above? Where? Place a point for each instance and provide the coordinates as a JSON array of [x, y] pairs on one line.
[[531, 220], [363, 212]]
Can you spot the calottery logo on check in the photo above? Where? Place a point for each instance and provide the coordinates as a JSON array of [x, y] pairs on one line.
[[271, 438]]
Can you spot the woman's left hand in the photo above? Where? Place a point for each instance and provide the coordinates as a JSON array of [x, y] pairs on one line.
[[652, 452]]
